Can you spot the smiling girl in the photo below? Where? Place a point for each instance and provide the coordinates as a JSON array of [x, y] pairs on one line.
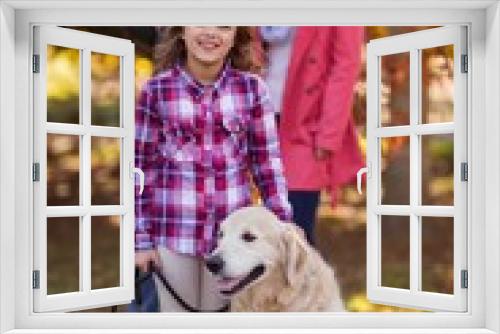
[[204, 128]]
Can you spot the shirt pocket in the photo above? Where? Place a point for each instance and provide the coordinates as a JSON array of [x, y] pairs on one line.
[[235, 137], [177, 143]]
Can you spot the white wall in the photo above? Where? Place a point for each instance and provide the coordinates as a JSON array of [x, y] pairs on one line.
[[7, 175], [493, 164]]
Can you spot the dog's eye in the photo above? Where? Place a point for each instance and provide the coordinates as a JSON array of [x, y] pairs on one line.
[[248, 237]]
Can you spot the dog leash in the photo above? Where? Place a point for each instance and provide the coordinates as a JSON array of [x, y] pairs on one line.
[[153, 269]]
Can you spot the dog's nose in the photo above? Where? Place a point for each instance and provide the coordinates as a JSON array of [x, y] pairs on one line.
[[214, 264]]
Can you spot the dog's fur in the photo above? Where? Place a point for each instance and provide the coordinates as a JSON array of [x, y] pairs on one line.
[[295, 277]]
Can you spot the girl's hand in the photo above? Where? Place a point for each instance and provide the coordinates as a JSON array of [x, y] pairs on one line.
[[143, 257]]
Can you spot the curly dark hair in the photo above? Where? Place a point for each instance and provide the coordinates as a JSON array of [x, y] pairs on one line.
[[171, 48]]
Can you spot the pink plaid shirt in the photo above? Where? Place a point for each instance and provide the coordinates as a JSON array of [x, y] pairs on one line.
[[199, 146]]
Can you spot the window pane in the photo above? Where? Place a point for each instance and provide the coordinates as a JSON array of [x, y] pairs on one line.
[[63, 170], [395, 168], [63, 84], [395, 89], [63, 255], [437, 84], [437, 169], [395, 235], [105, 89], [437, 254], [105, 252], [105, 171]]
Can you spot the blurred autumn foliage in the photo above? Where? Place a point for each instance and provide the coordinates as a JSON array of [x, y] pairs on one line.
[[341, 231]]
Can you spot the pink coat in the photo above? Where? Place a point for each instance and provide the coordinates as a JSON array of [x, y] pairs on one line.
[[317, 108]]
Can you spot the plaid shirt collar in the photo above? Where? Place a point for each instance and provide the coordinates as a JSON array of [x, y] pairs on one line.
[[196, 88]]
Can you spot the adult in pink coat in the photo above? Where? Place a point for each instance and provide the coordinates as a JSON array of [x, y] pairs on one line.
[[317, 135]]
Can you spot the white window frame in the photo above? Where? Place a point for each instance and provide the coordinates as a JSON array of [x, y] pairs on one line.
[[16, 19]]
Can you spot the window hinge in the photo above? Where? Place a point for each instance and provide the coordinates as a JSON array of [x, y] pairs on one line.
[[36, 171], [36, 63], [36, 279], [464, 279], [465, 64], [464, 171]]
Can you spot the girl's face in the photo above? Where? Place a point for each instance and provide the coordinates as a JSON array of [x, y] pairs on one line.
[[208, 45]]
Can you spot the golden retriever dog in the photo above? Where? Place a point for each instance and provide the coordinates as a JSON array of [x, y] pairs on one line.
[[265, 265]]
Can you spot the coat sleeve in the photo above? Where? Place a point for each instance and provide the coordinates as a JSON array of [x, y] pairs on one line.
[[344, 57]]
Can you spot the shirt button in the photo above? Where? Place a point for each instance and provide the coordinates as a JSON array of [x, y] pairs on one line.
[[207, 92]]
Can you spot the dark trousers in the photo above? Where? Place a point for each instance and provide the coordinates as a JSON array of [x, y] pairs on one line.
[[305, 206], [146, 297]]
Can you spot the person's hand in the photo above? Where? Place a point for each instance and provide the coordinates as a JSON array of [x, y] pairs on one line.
[[143, 257], [321, 153]]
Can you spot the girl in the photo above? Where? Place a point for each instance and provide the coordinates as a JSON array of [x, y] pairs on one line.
[[204, 125]]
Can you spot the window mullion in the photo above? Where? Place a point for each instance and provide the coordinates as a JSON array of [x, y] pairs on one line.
[[80, 130], [415, 254], [420, 129], [85, 168]]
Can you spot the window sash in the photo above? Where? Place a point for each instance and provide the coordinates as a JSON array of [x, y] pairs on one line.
[[413, 297], [86, 297]]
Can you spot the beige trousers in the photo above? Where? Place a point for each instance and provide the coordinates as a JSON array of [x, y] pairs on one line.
[[189, 277]]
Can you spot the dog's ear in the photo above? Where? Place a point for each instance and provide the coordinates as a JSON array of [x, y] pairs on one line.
[[295, 254]]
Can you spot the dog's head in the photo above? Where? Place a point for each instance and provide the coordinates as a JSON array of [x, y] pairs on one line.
[[252, 242]]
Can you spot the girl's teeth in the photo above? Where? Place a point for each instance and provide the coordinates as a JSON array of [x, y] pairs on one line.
[[208, 45]]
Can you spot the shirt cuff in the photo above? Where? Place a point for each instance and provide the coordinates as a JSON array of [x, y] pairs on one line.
[[143, 242], [281, 208]]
